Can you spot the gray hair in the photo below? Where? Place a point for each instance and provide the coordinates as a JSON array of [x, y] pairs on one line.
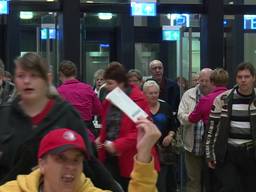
[[150, 83], [99, 72]]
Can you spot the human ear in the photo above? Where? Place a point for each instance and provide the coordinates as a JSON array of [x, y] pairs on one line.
[[41, 164]]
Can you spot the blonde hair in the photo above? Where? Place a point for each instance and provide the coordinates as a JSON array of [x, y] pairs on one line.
[[219, 77], [150, 83]]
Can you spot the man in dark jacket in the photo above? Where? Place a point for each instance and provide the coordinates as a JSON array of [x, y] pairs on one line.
[[231, 137], [169, 89]]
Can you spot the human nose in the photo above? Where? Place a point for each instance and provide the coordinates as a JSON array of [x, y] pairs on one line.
[[243, 78], [27, 79], [158, 69]]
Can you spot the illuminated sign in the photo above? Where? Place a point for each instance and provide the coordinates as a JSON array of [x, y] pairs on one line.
[[180, 20], [44, 34], [143, 8], [52, 33], [26, 15], [104, 45], [250, 22], [48, 33], [171, 33], [4, 8]]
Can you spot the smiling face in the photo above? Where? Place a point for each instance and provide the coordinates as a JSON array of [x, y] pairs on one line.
[[62, 171], [152, 94], [30, 85]]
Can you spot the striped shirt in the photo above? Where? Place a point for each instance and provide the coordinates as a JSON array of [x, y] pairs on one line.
[[240, 129]]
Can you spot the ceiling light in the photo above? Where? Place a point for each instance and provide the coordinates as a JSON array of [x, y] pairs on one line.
[[105, 16], [26, 15]]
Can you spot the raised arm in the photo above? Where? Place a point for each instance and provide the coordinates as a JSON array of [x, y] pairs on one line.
[[144, 176]]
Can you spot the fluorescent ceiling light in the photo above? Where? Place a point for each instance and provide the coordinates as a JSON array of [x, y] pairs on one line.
[[105, 16], [26, 15]]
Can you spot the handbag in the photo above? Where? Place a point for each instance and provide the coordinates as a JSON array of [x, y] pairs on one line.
[[167, 155]]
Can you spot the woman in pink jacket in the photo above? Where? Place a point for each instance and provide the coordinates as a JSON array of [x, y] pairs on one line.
[[219, 80]]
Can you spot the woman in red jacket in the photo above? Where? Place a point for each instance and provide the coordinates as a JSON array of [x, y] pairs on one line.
[[117, 141]]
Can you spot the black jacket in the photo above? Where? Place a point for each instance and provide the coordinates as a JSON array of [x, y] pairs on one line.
[[219, 125], [19, 141]]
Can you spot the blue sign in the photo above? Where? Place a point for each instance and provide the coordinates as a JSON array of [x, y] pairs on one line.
[[250, 22], [143, 9], [171, 35], [44, 33], [52, 33], [4, 9], [102, 45], [180, 20]]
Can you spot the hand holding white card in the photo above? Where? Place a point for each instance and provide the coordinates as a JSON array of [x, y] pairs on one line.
[[125, 104]]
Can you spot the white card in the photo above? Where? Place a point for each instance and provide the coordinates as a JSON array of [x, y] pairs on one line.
[[125, 104]]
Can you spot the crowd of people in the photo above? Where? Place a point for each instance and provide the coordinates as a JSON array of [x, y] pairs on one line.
[[71, 138]]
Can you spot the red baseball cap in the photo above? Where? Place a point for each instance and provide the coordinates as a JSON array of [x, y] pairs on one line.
[[59, 140]]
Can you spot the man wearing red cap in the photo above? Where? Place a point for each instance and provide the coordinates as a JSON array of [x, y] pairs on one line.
[[60, 158]]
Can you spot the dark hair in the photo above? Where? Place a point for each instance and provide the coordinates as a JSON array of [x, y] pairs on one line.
[[134, 72], [68, 68], [34, 62], [219, 77], [116, 71], [246, 66]]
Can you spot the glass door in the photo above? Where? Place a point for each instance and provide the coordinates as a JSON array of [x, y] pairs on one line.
[[47, 41], [188, 54]]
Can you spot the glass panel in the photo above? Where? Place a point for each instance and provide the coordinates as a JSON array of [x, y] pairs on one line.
[[240, 2], [144, 53], [98, 33], [250, 47], [97, 57], [240, 31], [39, 34], [195, 54]]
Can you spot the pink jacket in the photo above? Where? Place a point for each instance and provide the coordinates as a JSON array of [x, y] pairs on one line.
[[82, 97], [203, 107]]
